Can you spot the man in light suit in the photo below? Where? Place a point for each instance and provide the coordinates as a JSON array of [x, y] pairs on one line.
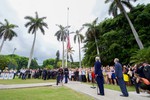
[[99, 76], [119, 76]]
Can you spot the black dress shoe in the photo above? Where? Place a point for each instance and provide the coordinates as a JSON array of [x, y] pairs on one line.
[[100, 94], [124, 95]]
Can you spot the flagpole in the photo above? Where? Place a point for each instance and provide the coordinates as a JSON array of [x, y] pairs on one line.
[[67, 37]]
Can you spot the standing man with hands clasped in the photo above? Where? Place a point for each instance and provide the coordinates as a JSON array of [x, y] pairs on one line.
[[99, 76], [119, 76]]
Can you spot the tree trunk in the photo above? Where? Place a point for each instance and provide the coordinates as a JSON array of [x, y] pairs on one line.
[[131, 25], [2, 44], [97, 47], [66, 65], [79, 53], [63, 54], [31, 53]]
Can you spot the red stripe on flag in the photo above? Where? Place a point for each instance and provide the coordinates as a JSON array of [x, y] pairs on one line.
[[68, 44]]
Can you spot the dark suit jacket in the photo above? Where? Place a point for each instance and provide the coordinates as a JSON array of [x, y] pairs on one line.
[[118, 70], [98, 70]]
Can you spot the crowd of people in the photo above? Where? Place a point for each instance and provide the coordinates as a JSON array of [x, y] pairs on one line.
[[130, 75]]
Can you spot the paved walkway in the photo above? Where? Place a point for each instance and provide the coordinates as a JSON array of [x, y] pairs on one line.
[[86, 89], [15, 86], [109, 94]]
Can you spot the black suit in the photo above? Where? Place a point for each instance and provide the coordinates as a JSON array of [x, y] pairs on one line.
[[119, 75], [66, 72], [99, 77]]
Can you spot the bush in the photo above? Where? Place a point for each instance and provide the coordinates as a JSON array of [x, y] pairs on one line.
[[141, 56]]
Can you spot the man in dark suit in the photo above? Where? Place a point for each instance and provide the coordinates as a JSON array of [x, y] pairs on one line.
[[119, 76], [44, 73], [66, 73], [99, 76], [59, 76]]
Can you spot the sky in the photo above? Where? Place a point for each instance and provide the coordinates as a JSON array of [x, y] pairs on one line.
[[56, 12]]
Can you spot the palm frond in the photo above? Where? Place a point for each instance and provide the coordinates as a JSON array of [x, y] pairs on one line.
[[111, 8], [75, 38], [29, 18], [107, 1], [30, 28], [95, 21], [28, 24], [42, 30], [87, 24], [81, 29], [127, 4], [44, 24], [7, 23]]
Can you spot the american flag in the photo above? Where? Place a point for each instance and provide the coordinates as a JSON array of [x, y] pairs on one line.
[[68, 44]]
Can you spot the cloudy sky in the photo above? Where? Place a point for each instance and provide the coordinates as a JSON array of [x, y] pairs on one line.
[[80, 12]]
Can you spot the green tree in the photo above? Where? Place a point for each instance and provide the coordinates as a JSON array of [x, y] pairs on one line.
[[22, 62], [49, 67], [119, 4], [116, 39], [7, 61], [34, 24], [141, 56], [7, 32], [34, 64], [59, 64], [61, 35], [49, 62], [91, 32], [57, 58], [79, 37], [3, 62]]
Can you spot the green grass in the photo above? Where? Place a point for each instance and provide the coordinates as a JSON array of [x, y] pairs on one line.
[[27, 81], [43, 93], [117, 88]]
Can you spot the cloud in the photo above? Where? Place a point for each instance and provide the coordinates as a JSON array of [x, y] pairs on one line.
[[80, 12], [56, 13]]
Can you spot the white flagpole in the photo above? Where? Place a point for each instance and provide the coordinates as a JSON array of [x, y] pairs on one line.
[[67, 36]]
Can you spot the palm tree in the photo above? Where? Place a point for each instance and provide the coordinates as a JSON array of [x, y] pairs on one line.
[[34, 24], [91, 32], [6, 32], [119, 4], [80, 38], [57, 58], [113, 9], [61, 36]]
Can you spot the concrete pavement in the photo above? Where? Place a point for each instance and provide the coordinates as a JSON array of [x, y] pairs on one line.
[[15, 86], [86, 89], [109, 94]]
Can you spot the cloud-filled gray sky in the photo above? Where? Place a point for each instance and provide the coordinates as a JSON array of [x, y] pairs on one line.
[[80, 12]]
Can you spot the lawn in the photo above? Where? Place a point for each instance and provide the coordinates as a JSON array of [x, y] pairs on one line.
[[117, 88], [27, 81], [43, 93]]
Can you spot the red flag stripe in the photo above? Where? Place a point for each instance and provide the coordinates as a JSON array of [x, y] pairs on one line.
[[68, 44]]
